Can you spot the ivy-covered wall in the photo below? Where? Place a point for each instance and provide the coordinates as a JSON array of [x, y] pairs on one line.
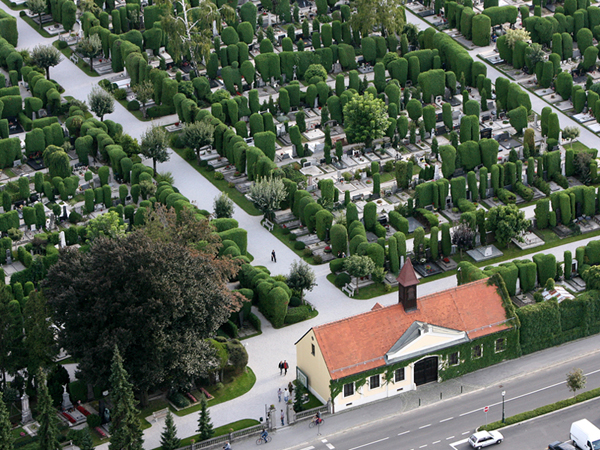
[[467, 361]]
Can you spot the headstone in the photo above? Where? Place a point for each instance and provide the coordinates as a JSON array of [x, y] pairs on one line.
[[401, 261], [26, 416], [454, 249], [477, 240], [316, 102], [62, 240], [309, 180], [8, 256], [66, 401], [488, 251]]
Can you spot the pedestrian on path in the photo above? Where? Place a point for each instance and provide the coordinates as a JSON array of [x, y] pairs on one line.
[[282, 417], [285, 367], [273, 257], [279, 394], [286, 395], [280, 367]]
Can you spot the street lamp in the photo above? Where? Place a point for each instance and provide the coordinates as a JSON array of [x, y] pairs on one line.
[[503, 394]]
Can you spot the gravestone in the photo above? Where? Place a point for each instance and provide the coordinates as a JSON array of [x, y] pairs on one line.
[[61, 239], [66, 401], [488, 251], [8, 256], [26, 416]]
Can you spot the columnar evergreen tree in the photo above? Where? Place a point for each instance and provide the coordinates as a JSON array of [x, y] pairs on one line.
[[126, 432], [205, 427], [168, 438], [48, 430]]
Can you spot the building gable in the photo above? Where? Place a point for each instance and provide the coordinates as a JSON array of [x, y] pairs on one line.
[[422, 338]]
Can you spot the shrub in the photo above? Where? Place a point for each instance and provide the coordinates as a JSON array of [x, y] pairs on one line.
[[342, 279], [298, 245], [179, 400], [133, 105], [298, 314]]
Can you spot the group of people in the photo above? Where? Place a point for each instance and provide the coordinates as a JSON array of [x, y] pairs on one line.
[[285, 393], [283, 367]]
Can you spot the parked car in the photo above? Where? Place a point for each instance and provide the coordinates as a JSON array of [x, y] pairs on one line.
[[560, 446], [484, 438]]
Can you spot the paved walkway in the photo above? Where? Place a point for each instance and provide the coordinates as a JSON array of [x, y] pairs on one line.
[[266, 350]]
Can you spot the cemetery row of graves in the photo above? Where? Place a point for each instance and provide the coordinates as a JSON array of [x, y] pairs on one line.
[[476, 148]]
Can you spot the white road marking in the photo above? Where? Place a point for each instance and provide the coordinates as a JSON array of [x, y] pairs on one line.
[[436, 442], [370, 443], [446, 420], [404, 432], [425, 426], [330, 446], [423, 446], [308, 448], [448, 438], [528, 393], [454, 444], [323, 440], [466, 432]]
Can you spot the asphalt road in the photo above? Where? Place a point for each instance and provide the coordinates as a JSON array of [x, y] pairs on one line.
[[449, 423]]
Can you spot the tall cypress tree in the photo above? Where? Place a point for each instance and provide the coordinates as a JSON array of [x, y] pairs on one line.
[[48, 431], [168, 438], [126, 433], [6, 437], [205, 427]]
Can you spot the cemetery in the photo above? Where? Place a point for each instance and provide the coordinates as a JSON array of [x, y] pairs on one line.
[[360, 149]]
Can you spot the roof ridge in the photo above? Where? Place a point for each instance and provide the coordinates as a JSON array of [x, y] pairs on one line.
[[452, 289], [344, 319]]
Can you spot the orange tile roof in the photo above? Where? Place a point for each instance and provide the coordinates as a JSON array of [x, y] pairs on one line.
[[360, 343]]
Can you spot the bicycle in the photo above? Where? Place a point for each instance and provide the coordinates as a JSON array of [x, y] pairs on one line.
[[314, 423], [266, 440]]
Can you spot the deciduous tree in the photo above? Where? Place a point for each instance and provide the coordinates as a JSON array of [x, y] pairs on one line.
[[45, 56], [101, 102], [143, 92], [507, 223], [6, 437], [37, 7], [223, 206], [576, 380], [151, 276], [154, 144], [301, 277], [90, 47], [197, 135], [359, 266], [267, 194], [365, 118]]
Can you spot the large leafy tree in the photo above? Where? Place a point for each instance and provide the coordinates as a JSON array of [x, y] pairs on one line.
[[365, 118], [154, 144], [125, 430], [165, 276], [387, 15], [48, 430], [507, 222], [45, 56], [189, 29], [143, 93], [39, 341]]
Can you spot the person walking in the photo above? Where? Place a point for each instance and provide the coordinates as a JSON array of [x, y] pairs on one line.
[[285, 367], [273, 256], [280, 367], [227, 446], [282, 418], [286, 395], [279, 394]]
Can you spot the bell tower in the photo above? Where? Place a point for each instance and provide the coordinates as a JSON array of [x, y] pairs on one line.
[[407, 287]]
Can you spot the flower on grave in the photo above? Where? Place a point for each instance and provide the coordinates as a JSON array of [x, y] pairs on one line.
[[22, 434], [446, 260]]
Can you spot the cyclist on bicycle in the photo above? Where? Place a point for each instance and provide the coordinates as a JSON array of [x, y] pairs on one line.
[[227, 446], [264, 435], [318, 419]]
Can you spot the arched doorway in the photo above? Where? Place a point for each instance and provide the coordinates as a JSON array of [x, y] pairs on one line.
[[426, 370]]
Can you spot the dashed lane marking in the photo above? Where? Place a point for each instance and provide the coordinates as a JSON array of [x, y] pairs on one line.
[[446, 420], [425, 426], [404, 432], [370, 443], [451, 437]]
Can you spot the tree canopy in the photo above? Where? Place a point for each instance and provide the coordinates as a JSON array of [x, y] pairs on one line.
[[165, 276], [365, 118], [507, 222]]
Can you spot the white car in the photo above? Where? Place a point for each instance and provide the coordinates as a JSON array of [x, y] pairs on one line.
[[485, 438]]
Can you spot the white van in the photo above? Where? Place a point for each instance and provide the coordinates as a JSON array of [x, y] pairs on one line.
[[585, 435]]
